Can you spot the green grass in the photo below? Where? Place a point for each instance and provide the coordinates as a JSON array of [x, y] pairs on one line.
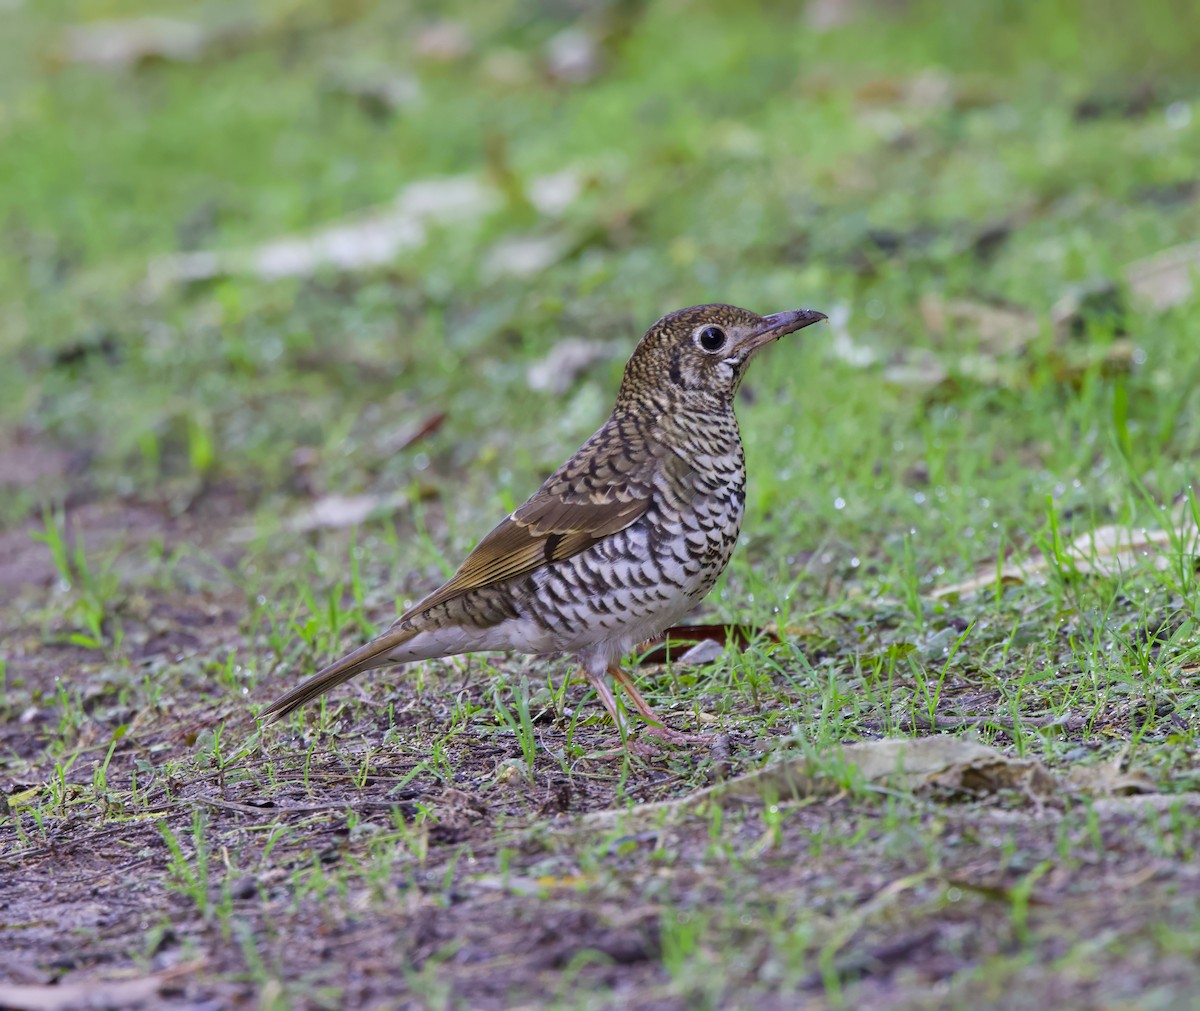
[[158, 445]]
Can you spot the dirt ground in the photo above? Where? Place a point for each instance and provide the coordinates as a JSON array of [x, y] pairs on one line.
[[383, 863]]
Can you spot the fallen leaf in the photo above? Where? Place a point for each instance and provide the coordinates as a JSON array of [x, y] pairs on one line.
[[930, 89], [1083, 305], [397, 440], [701, 653], [572, 56], [119, 45], [1108, 550], [1004, 333], [824, 15], [916, 369], [517, 884], [678, 640], [24, 463], [23, 797], [379, 95], [94, 993], [843, 345], [1109, 779], [941, 765], [902, 763], [1118, 104], [375, 237], [1002, 329], [554, 192], [567, 361], [442, 41], [370, 239], [523, 256], [1167, 278], [335, 512], [985, 774]]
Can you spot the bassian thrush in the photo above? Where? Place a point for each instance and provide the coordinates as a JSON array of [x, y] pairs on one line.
[[622, 540]]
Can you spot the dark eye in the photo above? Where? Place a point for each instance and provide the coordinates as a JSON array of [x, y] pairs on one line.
[[711, 338]]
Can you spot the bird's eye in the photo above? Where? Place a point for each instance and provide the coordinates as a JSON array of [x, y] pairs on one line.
[[711, 338]]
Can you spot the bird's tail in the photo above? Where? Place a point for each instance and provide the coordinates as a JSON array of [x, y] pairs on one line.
[[364, 658]]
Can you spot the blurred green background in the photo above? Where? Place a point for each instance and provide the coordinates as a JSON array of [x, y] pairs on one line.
[[178, 319], [297, 298]]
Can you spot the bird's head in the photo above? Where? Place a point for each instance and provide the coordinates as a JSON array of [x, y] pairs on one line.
[[704, 349]]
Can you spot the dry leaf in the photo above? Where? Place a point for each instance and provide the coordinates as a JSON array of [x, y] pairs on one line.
[[901, 763], [390, 442], [553, 193], [573, 56], [522, 256], [1097, 301], [1002, 329], [25, 463], [508, 68], [700, 654], [930, 89], [1112, 549], [825, 15], [918, 369], [843, 346], [1108, 551], [370, 239], [443, 42], [335, 512], [94, 993], [379, 95], [1167, 278], [677, 641], [1004, 333], [940, 764], [567, 361], [374, 238], [119, 45], [1109, 779]]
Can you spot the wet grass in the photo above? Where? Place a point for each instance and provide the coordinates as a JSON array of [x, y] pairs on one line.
[[424, 836]]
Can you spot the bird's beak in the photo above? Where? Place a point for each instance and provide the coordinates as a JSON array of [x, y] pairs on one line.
[[780, 323]]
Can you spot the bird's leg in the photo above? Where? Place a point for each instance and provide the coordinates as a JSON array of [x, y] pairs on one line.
[[604, 693], [656, 727]]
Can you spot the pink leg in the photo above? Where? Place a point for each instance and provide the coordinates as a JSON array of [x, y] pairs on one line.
[[604, 693], [656, 727]]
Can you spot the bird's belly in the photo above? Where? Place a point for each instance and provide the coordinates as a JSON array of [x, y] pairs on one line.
[[636, 582]]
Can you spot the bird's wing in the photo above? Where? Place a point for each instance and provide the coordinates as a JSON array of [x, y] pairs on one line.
[[601, 490]]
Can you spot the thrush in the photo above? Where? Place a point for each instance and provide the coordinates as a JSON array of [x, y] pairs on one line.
[[621, 541]]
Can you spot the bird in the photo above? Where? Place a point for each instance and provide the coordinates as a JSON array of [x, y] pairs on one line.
[[620, 542]]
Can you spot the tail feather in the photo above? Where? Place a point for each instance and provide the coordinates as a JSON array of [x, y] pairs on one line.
[[362, 659]]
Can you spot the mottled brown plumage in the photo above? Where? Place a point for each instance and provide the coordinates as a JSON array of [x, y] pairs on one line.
[[622, 540]]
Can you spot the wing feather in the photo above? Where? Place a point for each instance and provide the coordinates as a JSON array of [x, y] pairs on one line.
[[601, 490], [607, 486]]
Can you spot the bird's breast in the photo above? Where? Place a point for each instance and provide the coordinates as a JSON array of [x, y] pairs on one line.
[[631, 584]]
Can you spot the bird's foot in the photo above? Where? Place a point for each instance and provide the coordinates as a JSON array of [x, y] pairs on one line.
[[618, 750], [669, 736], [631, 744], [653, 727]]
